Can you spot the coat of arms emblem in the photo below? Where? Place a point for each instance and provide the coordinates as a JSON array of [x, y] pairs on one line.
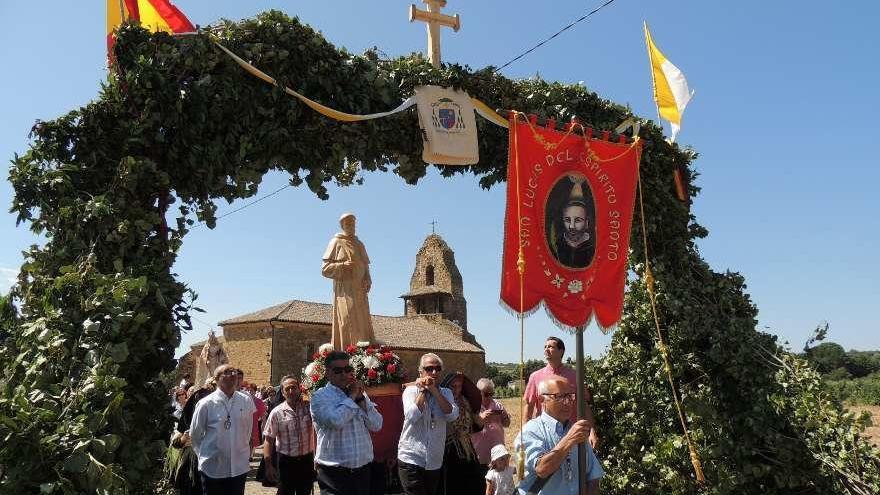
[[446, 114]]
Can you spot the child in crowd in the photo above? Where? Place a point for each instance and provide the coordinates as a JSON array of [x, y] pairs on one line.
[[499, 478]]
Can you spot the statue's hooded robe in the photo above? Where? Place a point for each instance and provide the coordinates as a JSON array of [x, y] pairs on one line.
[[351, 309]]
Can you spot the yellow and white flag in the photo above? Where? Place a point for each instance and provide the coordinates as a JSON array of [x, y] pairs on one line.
[[671, 92]]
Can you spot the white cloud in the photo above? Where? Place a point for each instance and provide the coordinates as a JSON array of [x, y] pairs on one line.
[[7, 278]]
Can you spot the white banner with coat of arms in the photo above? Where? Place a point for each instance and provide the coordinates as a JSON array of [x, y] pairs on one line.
[[449, 127]]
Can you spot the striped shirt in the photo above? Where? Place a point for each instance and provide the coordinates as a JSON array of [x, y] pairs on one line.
[[292, 429], [343, 428]]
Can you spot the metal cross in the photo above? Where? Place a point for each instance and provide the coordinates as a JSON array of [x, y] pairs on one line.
[[433, 226], [434, 20]]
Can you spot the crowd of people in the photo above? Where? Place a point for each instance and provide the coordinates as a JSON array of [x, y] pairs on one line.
[[452, 441]]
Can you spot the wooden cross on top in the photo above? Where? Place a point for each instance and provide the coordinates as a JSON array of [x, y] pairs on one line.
[[434, 20]]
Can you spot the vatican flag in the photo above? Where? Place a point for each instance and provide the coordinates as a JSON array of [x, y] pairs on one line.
[[671, 92]]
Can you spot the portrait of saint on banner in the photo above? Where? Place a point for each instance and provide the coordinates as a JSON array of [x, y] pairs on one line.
[[570, 203], [570, 221]]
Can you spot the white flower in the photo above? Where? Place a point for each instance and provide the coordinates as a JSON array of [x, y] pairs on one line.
[[371, 361], [307, 381], [557, 281], [310, 369], [363, 345], [89, 324], [575, 286], [355, 360], [325, 348]]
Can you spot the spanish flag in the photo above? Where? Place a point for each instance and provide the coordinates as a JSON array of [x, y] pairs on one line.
[[671, 92], [154, 15]]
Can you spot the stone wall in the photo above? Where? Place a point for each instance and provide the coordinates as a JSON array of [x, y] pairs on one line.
[[247, 345], [187, 364], [435, 253], [295, 343]]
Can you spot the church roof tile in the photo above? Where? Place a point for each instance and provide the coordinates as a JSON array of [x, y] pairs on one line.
[[403, 332]]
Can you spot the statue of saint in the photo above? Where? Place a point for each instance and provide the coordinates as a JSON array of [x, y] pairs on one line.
[[346, 262], [212, 356]]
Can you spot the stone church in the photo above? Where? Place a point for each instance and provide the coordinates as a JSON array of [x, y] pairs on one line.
[[281, 339]]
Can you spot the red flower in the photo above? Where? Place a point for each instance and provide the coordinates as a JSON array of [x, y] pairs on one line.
[[384, 348], [351, 349], [315, 356], [387, 356], [370, 350], [315, 377], [391, 369], [324, 353], [371, 374], [302, 388]]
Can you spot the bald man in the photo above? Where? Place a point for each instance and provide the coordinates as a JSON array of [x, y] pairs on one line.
[[551, 443]]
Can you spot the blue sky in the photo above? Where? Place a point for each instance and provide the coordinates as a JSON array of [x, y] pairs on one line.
[[783, 118]]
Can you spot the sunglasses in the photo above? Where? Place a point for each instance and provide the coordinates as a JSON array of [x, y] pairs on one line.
[[338, 370], [569, 397], [231, 372], [433, 369]]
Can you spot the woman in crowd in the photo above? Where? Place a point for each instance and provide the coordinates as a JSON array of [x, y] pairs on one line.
[[495, 419], [463, 473], [179, 401], [181, 463]]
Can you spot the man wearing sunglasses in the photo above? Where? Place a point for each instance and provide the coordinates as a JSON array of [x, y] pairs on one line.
[[426, 410], [344, 417], [221, 434], [551, 443]]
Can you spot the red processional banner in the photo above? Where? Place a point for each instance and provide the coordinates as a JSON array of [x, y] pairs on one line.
[[570, 203]]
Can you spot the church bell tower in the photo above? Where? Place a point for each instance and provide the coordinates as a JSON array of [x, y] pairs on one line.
[[436, 287]]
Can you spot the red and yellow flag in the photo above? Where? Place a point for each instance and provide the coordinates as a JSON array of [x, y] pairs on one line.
[[154, 15]]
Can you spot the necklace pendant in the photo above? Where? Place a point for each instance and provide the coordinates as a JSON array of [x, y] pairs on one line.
[[228, 423]]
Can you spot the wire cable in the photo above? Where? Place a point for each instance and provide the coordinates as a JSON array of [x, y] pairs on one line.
[[261, 198], [557, 33]]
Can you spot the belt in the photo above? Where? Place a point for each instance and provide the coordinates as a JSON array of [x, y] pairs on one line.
[[343, 469], [296, 456]]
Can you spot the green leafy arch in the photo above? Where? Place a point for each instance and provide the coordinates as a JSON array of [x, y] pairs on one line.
[[178, 126]]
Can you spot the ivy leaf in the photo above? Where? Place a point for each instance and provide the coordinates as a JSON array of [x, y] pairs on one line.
[[119, 352], [77, 463]]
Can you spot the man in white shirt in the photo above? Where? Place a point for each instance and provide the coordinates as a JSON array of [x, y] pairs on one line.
[[221, 434], [344, 417], [426, 410]]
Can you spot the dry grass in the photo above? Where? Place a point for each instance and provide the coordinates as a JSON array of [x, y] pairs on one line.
[[512, 406], [873, 432]]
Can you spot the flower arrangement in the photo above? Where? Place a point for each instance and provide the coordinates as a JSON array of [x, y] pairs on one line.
[[373, 365]]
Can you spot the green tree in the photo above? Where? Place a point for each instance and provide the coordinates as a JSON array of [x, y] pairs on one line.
[[861, 364], [827, 356]]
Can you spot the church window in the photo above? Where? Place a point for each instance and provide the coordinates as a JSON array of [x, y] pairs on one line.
[[429, 275]]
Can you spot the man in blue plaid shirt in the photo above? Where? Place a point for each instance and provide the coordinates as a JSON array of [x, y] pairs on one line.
[[344, 417]]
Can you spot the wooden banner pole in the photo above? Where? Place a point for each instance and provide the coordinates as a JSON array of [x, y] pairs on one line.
[[581, 407]]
